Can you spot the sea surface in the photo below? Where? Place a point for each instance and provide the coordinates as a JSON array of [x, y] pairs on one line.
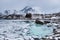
[[20, 30]]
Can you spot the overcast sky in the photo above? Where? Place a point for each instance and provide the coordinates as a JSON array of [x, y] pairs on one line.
[[48, 6]]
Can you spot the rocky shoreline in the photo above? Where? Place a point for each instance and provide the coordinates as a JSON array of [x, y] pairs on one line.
[[55, 36], [3, 36]]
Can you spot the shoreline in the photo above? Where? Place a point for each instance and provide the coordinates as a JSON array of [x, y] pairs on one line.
[[48, 37]]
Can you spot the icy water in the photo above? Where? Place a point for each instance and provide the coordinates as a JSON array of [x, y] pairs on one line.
[[18, 30]]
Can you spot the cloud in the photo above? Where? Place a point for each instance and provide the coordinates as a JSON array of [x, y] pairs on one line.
[[12, 4], [48, 6]]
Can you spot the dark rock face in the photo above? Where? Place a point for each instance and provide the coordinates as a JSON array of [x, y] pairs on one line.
[[44, 39], [28, 15], [38, 22], [58, 39], [12, 16], [55, 32], [46, 22], [36, 39], [53, 38]]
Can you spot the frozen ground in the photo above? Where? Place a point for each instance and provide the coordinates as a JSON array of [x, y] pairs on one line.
[[18, 30]]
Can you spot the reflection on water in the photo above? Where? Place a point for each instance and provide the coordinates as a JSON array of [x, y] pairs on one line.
[[13, 29]]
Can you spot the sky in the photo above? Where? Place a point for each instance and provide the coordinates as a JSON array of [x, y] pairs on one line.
[[47, 6]]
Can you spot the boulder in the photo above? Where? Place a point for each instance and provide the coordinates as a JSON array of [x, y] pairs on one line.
[[28, 15], [36, 39], [37, 21], [45, 22]]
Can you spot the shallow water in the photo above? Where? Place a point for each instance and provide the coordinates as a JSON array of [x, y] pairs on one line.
[[41, 30], [15, 29]]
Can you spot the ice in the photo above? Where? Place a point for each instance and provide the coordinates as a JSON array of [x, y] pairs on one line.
[[16, 30], [12, 30]]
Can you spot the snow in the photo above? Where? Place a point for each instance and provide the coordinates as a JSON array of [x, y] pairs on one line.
[[15, 30], [12, 30], [32, 10]]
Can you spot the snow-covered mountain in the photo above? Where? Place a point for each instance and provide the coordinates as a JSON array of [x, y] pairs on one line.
[[29, 9], [26, 9]]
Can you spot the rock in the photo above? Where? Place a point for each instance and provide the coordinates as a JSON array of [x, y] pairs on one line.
[[45, 22], [37, 21], [58, 39], [36, 39], [27, 37], [43, 38], [49, 25], [4, 31], [54, 31], [53, 38], [28, 15]]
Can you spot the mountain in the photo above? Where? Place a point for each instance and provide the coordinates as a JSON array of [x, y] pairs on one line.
[[27, 9]]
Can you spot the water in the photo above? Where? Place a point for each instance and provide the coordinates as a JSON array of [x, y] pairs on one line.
[[14, 29], [41, 30]]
